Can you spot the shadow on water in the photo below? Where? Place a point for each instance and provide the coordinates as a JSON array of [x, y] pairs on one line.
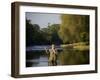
[[64, 57]]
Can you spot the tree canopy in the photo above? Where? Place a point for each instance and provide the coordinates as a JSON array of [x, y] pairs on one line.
[[73, 28]]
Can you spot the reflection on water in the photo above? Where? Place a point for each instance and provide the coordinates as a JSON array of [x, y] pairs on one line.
[[74, 57], [65, 57]]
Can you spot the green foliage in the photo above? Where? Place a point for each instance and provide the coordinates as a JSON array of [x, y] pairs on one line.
[[37, 36], [72, 27], [33, 34], [51, 33], [54, 33], [84, 36]]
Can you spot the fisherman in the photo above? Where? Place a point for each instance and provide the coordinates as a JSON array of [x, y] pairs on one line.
[[52, 55]]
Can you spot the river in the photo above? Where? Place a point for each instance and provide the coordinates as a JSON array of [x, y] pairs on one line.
[[37, 57]]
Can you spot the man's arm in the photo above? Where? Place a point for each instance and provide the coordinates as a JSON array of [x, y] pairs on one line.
[[55, 51], [46, 50]]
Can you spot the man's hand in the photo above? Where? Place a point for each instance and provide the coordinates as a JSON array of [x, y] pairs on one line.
[[46, 50]]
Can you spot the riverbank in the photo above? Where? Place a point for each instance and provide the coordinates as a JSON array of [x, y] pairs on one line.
[[77, 46]]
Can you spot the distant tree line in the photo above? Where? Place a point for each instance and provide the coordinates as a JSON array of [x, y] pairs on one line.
[[73, 28], [43, 36]]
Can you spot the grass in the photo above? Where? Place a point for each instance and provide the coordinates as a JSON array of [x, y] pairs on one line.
[[81, 47], [77, 46]]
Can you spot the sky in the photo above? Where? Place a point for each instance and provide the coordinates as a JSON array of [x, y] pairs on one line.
[[42, 19]]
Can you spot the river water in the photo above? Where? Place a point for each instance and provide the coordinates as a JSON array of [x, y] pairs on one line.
[[37, 57]]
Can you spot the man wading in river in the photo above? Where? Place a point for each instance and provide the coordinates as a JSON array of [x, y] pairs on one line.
[[52, 55]]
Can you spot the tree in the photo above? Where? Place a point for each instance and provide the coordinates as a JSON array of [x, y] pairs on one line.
[[51, 33], [72, 27], [29, 30], [33, 34], [43, 36]]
